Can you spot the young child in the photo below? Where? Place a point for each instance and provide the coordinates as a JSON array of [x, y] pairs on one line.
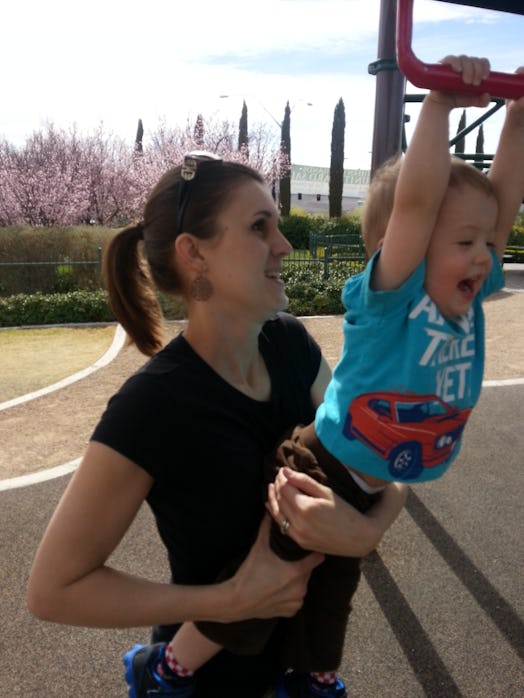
[[410, 374]]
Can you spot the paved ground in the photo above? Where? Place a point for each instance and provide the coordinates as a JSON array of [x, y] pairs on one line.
[[439, 613]]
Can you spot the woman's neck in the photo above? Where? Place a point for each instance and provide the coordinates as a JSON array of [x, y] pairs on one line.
[[231, 350]]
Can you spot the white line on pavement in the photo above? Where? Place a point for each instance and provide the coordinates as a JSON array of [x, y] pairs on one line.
[[116, 346], [13, 483]]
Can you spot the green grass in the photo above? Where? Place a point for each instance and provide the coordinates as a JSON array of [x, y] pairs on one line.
[[31, 359]]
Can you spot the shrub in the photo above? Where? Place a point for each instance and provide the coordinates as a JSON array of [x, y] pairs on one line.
[[310, 294], [69, 308], [516, 237], [517, 254], [298, 227], [55, 308], [76, 251], [64, 278]]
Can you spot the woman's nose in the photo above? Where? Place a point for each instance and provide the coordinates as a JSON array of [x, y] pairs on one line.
[[283, 245]]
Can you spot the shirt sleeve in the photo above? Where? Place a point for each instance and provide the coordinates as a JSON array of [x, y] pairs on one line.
[[132, 420], [495, 281]]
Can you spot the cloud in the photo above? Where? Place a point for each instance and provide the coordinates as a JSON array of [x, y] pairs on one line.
[[119, 60]]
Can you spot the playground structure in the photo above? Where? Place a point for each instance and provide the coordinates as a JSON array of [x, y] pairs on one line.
[[397, 62]]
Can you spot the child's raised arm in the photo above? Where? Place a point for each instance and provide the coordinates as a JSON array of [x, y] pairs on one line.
[[423, 178], [507, 169]]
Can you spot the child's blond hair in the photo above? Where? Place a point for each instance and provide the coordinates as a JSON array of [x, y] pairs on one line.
[[379, 200]]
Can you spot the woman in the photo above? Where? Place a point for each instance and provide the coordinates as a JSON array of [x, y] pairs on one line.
[[188, 433]]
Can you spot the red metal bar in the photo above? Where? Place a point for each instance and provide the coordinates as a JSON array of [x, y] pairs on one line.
[[434, 76]]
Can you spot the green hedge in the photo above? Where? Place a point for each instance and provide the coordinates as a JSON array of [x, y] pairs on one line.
[[76, 250], [308, 292], [73, 307], [55, 308], [297, 228], [82, 243], [516, 237], [516, 254]]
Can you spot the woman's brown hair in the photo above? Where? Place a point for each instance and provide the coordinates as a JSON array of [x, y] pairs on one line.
[[140, 259]]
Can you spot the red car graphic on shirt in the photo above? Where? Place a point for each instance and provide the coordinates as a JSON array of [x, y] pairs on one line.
[[410, 432]]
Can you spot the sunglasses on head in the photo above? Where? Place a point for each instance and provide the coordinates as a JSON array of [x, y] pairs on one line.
[[188, 172]]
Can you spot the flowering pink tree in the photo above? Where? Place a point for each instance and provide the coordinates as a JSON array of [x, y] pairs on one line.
[[9, 209], [45, 183], [108, 163], [167, 146], [60, 178]]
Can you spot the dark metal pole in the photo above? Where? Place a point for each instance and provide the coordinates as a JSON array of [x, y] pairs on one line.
[[390, 87]]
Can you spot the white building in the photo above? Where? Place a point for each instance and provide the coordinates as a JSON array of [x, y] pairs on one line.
[[310, 188]]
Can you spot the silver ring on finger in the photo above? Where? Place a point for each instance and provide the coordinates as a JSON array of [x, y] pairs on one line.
[[284, 526]]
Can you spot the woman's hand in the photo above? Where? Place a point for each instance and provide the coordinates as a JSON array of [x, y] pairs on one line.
[[320, 520], [265, 586]]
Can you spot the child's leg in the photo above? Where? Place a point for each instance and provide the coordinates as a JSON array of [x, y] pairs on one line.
[[314, 639], [189, 650]]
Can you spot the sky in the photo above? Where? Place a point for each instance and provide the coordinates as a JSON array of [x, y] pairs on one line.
[[112, 62]]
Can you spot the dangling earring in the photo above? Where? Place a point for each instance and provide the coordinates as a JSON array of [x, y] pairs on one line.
[[201, 288]]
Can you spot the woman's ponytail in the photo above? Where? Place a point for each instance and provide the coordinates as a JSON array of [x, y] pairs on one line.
[[131, 292]]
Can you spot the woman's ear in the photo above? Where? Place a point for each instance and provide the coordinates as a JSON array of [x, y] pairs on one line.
[[188, 251]]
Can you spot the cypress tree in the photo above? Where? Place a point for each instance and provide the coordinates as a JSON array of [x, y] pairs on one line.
[[336, 170], [139, 136], [285, 147], [198, 132], [479, 147], [243, 138], [461, 143]]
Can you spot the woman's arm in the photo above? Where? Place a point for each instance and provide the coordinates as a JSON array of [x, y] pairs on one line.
[[71, 583], [322, 521]]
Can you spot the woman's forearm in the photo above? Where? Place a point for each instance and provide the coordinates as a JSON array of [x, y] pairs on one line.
[[264, 586], [109, 598]]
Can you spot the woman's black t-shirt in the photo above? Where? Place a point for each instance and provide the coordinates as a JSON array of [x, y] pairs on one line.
[[203, 442]]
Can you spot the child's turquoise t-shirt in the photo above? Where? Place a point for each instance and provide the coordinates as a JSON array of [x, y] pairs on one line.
[[408, 378]]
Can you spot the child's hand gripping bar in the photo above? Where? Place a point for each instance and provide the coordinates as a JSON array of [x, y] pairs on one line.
[[434, 76]]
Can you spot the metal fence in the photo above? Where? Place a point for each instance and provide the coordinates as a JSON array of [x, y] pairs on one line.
[[51, 276], [344, 252], [341, 252]]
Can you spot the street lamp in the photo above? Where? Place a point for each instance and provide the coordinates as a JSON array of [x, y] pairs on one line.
[[278, 123], [282, 186]]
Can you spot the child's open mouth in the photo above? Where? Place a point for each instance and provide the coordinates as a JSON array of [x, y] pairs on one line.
[[467, 288]]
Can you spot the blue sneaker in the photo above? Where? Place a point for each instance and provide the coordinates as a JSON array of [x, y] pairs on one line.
[[144, 680], [297, 685]]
